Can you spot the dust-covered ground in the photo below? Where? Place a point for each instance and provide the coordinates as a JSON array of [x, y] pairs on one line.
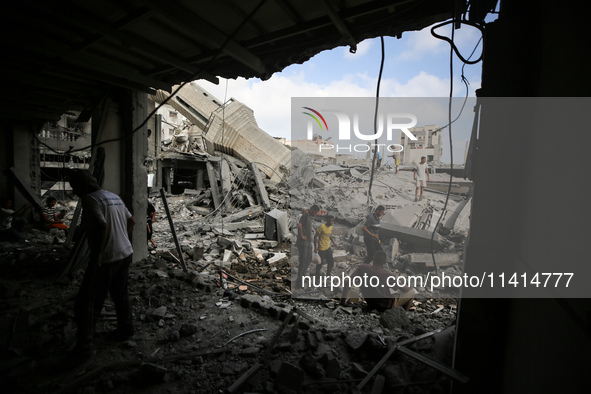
[[194, 336]]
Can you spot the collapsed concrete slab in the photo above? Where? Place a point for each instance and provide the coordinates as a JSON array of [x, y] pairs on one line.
[[248, 213], [442, 259], [462, 223], [237, 133], [456, 187], [406, 216], [419, 239]]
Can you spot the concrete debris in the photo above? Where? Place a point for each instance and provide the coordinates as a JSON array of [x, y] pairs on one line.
[[394, 318], [420, 240], [441, 259], [277, 225], [190, 326]]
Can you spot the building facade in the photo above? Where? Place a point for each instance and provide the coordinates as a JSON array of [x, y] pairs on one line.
[[428, 144]]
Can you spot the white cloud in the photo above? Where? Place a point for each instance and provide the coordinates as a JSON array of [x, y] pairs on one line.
[[271, 100], [362, 48], [422, 43], [421, 85]]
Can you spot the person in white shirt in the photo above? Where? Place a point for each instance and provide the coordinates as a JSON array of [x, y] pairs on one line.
[[421, 176], [108, 225]]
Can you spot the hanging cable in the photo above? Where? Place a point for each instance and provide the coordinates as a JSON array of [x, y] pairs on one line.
[[375, 122], [450, 121], [451, 42]]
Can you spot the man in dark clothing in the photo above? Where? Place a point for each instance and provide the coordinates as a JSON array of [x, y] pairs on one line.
[[371, 233], [150, 215], [378, 295], [305, 242], [109, 225]]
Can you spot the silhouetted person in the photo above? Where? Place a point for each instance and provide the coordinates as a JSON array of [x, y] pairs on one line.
[[371, 233], [108, 226]]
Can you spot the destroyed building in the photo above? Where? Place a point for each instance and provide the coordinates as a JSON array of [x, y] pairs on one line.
[[104, 59], [428, 144]]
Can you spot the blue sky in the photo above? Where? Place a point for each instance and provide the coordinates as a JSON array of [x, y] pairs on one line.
[[416, 65]]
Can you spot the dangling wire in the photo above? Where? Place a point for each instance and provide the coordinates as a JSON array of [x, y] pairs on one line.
[[451, 41], [375, 122], [450, 121]]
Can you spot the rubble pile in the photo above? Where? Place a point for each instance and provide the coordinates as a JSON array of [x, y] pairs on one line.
[[192, 335], [410, 231], [217, 312]]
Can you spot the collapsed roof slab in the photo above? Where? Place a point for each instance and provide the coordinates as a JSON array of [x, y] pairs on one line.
[[442, 259], [419, 239], [456, 187], [236, 132]]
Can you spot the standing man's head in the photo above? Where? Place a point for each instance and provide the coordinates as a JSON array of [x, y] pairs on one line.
[[82, 182], [379, 259], [379, 211], [423, 159], [314, 209], [329, 220]]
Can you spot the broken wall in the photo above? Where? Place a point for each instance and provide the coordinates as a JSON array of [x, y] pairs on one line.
[[236, 132]]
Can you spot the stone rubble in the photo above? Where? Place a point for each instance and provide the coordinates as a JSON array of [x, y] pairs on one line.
[[203, 330]]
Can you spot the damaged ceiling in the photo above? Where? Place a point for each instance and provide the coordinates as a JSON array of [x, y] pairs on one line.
[[68, 55]]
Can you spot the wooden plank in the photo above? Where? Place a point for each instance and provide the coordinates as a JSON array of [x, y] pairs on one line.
[[170, 222]]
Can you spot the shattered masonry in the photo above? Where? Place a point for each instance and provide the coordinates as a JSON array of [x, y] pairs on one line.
[[229, 321]]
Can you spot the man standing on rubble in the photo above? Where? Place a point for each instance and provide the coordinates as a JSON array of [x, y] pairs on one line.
[[396, 156], [421, 176], [371, 233], [304, 242], [378, 295], [150, 216], [322, 240], [109, 225], [378, 159]]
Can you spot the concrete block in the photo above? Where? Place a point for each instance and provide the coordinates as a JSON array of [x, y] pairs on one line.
[[260, 186], [276, 225], [419, 239], [245, 214], [395, 248], [394, 318], [462, 223], [356, 340], [442, 259], [405, 216]]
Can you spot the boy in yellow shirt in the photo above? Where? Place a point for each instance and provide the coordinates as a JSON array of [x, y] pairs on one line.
[[322, 240]]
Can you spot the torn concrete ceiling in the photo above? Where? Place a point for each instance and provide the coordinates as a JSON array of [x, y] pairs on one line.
[[69, 55]]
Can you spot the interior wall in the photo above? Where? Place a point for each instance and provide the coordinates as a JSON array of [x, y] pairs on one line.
[[528, 206], [6, 161], [136, 177], [25, 152]]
